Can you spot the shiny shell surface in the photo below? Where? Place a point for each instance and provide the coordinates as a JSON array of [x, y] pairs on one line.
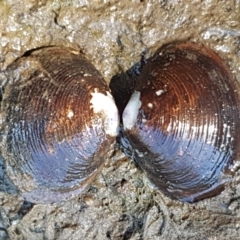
[[59, 123], [181, 123]]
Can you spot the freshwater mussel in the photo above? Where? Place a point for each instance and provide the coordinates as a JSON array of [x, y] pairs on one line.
[[58, 123], [181, 123]]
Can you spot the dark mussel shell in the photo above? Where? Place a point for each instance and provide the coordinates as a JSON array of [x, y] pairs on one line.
[[181, 122], [59, 123]]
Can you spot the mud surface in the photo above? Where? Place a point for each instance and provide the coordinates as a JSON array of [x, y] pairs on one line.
[[121, 203]]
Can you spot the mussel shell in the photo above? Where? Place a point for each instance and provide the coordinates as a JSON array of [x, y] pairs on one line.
[[57, 129], [181, 122]]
